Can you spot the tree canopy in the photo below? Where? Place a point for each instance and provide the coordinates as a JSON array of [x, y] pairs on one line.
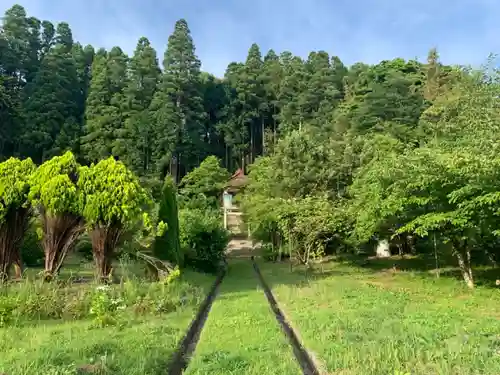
[[337, 156]]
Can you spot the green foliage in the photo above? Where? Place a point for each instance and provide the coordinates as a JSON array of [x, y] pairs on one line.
[[7, 307], [115, 204], [15, 210], [172, 276], [104, 106], [294, 197], [53, 186], [135, 141], [354, 143], [104, 308], [52, 106], [15, 178], [84, 247], [167, 246], [113, 194], [32, 253], [32, 301], [202, 187], [203, 239]]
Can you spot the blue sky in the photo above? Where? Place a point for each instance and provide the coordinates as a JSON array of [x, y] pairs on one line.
[[464, 31]]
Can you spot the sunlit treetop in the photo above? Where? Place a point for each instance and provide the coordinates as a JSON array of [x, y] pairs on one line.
[[53, 186], [113, 195], [15, 177]]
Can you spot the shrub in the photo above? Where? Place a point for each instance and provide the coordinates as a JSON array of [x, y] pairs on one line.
[[31, 250], [84, 247], [202, 187], [35, 301], [103, 307], [203, 239], [167, 246]]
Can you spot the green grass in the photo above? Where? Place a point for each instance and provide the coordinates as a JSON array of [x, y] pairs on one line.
[[141, 347], [378, 322], [241, 335], [51, 331], [368, 320]]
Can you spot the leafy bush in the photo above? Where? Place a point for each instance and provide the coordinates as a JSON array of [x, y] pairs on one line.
[[7, 307], [203, 239], [34, 301], [202, 187], [31, 250], [84, 247], [104, 307]]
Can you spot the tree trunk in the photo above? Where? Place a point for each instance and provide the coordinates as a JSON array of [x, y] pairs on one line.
[[18, 264], [60, 233], [251, 143], [491, 258], [12, 231], [104, 242], [464, 263], [263, 130], [6, 248], [274, 127]]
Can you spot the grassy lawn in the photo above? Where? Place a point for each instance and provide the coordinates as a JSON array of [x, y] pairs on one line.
[[51, 331], [380, 322], [372, 321], [241, 335], [141, 347]]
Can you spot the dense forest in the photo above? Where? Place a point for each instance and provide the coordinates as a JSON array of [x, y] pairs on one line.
[[59, 95], [338, 156]]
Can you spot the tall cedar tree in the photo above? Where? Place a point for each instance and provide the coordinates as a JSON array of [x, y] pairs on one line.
[[104, 113], [51, 116], [177, 108], [134, 140]]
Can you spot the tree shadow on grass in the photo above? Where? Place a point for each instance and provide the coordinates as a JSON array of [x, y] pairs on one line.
[[483, 276], [424, 265], [241, 276]]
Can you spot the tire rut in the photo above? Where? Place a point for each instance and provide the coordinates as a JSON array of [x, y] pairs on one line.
[[305, 360], [182, 356]]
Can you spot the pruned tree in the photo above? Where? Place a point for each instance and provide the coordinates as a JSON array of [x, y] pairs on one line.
[[114, 205], [55, 195], [167, 247], [15, 211]]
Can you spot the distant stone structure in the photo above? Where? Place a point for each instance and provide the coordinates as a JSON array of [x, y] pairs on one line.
[[232, 214]]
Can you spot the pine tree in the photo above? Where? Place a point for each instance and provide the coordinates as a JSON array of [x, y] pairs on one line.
[[252, 96], [9, 118], [84, 56], [292, 87], [215, 99], [135, 139], [272, 76], [177, 108], [104, 112], [231, 126], [15, 32], [51, 111]]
